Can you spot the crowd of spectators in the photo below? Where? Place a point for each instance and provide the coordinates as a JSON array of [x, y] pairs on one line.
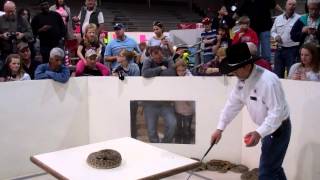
[[297, 39]]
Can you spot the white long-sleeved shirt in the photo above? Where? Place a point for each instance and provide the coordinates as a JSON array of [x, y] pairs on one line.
[[264, 98], [282, 27]]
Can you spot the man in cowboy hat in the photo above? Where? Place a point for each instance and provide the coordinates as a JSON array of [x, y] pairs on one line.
[[261, 91]]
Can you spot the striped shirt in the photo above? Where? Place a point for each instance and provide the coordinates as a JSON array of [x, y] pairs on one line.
[[208, 35]]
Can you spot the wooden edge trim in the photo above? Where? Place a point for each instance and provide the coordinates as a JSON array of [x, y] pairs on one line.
[[172, 171], [47, 168]]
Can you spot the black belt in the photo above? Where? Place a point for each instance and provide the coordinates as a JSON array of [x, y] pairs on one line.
[[281, 127]]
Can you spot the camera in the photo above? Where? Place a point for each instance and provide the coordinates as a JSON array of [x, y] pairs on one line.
[[12, 35], [120, 71]]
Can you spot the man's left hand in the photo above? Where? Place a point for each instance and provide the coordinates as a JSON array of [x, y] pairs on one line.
[[254, 138]]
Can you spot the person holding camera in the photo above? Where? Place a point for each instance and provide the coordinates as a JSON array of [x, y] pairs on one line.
[[126, 68], [307, 28], [12, 31]]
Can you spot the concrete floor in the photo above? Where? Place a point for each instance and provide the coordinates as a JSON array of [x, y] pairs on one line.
[[203, 175]]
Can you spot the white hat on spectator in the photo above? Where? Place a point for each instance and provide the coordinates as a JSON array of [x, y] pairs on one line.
[[90, 53]]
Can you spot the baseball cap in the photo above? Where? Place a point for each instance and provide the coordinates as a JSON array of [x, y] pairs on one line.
[[118, 26], [206, 20]]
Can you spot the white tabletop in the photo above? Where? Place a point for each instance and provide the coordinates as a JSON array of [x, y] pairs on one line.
[[139, 161]]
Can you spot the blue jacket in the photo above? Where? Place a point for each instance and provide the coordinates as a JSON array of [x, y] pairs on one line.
[[43, 71]]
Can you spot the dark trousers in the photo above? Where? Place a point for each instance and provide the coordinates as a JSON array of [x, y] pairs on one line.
[[273, 150], [183, 131], [285, 57]]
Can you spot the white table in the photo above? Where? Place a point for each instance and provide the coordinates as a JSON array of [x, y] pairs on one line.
[[139, 161]]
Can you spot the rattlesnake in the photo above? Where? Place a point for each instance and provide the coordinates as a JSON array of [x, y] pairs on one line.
[[104, 159]]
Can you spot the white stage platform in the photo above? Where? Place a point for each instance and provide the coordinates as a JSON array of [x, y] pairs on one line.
[[139, 161]]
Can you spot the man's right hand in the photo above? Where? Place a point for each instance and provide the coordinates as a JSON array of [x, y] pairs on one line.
[[5, 36], [44, 28], [216, 136]]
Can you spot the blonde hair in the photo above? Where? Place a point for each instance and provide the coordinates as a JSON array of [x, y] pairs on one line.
[[87, 42], [181, 63]]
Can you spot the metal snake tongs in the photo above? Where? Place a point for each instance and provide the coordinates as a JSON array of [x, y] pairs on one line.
[[192, 172]]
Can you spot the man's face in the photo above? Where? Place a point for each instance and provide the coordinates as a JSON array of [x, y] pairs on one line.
[[290, 6], [44, 7], [207, 27], [10, 10], [25, 53], [243, 72], [90, 4], [157, 56], [244, 26], [56, 62], [119, 33], [91, 61], [313, 10]]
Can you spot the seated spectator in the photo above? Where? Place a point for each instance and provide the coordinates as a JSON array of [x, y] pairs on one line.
[[212, 67], [245, 34], [157, 64], [182, 68], [208, 37], [29, 65], [12, 69], [125, 68], [90, 66], [308, 68], [223, 39], [54, 69], [90, 41]]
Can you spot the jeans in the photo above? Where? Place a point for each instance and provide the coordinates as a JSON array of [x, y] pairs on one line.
[[152, 112], [273, 150], [285, 57], [264, 45], [133, 115], [183, 133]]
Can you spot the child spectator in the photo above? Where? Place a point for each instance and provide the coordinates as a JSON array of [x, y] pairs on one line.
[[308, 68], [90, 66], [245, 34], [125, 67], [90, 41], [12, 69], [208, 38], [223, 39], [184, 110], [212, 67]]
